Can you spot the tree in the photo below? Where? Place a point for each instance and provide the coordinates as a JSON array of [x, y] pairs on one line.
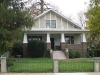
[[13, 18], [40, 6], [93, 19], [81, 18]]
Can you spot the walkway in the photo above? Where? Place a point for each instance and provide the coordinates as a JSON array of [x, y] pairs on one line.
[[88, 73], [58, 55]]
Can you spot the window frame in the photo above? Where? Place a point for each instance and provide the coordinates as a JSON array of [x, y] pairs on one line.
[[71, 39], [50, 26], [34, 37]]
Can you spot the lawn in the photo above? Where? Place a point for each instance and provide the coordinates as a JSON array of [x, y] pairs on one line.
[[46, 65], [31, 65], [76, 65]]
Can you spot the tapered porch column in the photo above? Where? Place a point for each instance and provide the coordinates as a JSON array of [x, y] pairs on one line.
[[83, 37], [84, 45], [62, 44], [48, 41], [25, 45]]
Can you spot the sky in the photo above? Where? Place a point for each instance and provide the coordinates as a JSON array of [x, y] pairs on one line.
[[70, 8]]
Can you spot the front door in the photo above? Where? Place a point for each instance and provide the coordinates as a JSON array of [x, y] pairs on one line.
[[52, 43]]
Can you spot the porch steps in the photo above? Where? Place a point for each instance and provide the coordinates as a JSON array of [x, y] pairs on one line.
[[58, 55]]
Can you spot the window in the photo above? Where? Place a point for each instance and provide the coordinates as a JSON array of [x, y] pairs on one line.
[[47, 23], [51, 23], [34, 38], [69, 39]]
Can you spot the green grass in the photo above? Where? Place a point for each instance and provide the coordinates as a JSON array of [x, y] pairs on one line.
[[32, 65], [46, 65], [76, 65]]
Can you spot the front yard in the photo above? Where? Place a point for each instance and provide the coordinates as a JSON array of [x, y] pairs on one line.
[[46, 65]]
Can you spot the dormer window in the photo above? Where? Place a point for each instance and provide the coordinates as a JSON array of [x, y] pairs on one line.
[[50, 23]]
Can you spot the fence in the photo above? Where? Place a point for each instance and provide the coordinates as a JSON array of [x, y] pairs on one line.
[[70, 65], [33, 67]]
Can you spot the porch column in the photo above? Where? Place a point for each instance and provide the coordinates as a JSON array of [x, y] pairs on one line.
[[62, 44], [84, 45], [48, 41], [25, 45], [83, 37]]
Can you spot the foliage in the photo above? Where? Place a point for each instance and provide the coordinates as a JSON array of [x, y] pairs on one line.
[[46, 65], [36, 65], [36, 48], [74, 53], [76, 65], [90, 52], [17, 48], [71, 54], [93, 19], [77, 54], [10, 62], [13, 18], [40, 6]]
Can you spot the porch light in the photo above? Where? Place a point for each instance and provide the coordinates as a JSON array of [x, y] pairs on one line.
[[66, 49]]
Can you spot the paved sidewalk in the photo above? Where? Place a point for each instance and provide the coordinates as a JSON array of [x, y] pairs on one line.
[[88, 73]]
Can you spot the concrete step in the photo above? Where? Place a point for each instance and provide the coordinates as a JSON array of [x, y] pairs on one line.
[[58, 55]]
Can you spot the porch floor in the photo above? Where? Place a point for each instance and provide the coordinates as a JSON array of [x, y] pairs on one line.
[[58, 55]]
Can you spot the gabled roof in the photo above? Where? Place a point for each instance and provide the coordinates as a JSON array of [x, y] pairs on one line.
[[59, 14]]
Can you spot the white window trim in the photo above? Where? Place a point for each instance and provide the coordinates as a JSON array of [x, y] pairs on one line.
[[70, 37], [50, 22]]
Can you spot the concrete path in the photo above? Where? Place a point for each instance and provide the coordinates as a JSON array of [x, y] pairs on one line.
[[58, 55], [88, 73]]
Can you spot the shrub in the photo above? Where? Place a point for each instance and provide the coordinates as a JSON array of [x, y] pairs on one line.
[[10, 62], [36, 48], [77, 54], [71, 54], [17, 48], [90, 52]]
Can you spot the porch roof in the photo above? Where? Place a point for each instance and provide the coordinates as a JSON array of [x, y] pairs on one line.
[[51, 30]]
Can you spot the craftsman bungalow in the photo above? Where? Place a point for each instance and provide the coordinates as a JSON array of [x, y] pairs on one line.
[[56, 30]]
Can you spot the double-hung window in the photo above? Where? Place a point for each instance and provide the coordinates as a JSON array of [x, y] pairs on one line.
[[51, 23], [69, 39], [34, 38]]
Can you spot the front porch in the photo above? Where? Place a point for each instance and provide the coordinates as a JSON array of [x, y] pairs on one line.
[[58, 41]]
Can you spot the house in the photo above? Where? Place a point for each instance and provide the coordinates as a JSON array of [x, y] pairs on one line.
[[57, 31]]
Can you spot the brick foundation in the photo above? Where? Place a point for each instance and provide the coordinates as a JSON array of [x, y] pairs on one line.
[[62, 45], [84, 48], [25, 54], [79, 47], [48, 46]]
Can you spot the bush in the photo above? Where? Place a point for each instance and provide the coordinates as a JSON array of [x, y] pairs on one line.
[[71, 54], [17, 48], [10, 62], [36, 48], [77, 54], [90, 52]]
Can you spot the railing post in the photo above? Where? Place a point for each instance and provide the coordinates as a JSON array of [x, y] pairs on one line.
[[96, 64], [55, 66], [3, 65]]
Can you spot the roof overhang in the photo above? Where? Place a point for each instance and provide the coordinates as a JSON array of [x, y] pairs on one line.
[[56, 31]]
